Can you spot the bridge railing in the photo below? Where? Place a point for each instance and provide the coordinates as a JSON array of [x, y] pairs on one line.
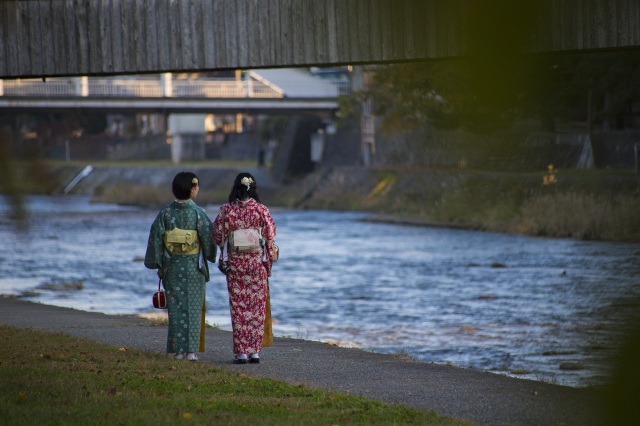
[[208, 88], [39, 88], [134, 88]]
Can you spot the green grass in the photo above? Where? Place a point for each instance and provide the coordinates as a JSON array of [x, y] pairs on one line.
[[50, 378]]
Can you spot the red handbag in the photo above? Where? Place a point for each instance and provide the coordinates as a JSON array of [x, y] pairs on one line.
[[160, 297]]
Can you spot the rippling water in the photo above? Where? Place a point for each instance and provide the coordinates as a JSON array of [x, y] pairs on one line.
[[493, 302]]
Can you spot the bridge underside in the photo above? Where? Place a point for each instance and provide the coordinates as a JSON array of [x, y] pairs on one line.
[[318, 107], [42, 38]]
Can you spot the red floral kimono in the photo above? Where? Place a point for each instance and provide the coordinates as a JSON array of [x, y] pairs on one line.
[[247, 280]]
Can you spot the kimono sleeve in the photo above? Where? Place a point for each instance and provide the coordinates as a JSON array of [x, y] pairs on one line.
[[153, 259], [269, 234], [205, 231], [218, 231]]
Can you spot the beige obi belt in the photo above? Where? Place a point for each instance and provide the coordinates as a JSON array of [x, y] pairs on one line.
[[181, 241], [245, 241]]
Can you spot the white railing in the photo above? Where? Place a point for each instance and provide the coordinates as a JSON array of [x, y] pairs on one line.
[[39, 88], [207, 88], [261, 90], [133, 88], [210, 89], [263, 84]]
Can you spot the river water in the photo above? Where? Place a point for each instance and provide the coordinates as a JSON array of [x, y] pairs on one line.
[[508, 304]]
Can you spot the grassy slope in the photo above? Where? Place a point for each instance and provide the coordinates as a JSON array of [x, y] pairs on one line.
[[597, 205]]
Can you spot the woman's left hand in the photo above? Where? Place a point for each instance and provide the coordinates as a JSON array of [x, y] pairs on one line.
[[267, 266]]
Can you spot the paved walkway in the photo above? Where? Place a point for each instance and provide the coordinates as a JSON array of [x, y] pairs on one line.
[[484, 398]]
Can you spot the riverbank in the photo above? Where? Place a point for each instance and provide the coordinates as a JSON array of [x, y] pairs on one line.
[[589, 205], [459, 393]]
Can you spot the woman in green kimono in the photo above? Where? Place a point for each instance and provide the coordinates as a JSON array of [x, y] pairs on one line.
[[180, 243]]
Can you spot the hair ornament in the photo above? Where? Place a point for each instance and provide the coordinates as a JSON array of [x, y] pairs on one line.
[[246, 181]]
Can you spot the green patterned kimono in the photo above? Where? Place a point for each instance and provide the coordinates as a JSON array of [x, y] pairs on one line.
[[184, 275]]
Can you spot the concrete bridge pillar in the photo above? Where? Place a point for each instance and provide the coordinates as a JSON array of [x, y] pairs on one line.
[[362, 81], [176, 149], [248, 85], [82, 86], [167, 84]]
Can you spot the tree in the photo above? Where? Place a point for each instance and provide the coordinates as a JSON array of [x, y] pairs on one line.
[[444, 94], [551, 88]]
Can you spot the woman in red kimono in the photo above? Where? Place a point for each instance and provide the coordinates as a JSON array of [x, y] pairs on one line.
[[246, 234]]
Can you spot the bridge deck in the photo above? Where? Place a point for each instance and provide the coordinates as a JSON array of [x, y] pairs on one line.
[[273, 91]]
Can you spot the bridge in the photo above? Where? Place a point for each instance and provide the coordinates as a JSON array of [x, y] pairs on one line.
[[280, 91], [181, 106], [66, 38], [48, 38]]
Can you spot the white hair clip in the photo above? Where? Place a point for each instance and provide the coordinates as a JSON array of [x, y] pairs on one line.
[[246, 181]]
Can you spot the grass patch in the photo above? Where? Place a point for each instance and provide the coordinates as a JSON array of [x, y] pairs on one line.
[[133, 195], [52, 378], [582, 216], [541, 212], [589, 205]]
